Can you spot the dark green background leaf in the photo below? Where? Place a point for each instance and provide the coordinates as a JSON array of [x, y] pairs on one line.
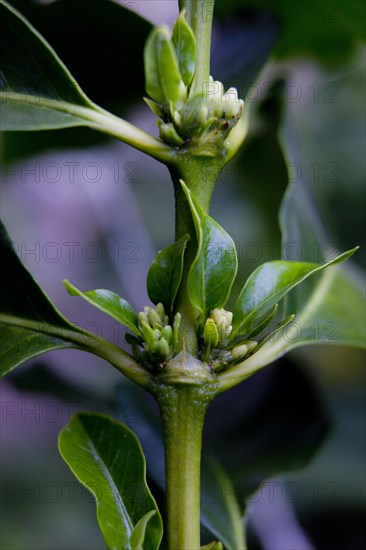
[[330, 309], [223, 517], [37, 91], [107, 458], [119, 30], [325, 29]]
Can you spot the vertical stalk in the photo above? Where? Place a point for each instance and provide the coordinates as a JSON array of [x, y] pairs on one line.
[[200, 175], [199, 15], [183, 409]]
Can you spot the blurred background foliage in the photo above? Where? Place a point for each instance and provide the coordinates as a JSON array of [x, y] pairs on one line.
[[82, 206]]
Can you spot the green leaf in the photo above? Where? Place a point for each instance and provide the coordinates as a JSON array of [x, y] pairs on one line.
[[36, 89], [330, 309], [118, 29], [137, 539], [107, 458], [214, 268], [152, 76], [268, 284], [185, 47], [30, 324], [37, 92], [170, 77], [110, 303], [328, 31], [163, 80], [221, 512], [165, 274]]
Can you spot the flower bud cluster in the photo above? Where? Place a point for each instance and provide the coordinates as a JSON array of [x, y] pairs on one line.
[[205, 117], [201, 118], [159, 339], [216, 333]]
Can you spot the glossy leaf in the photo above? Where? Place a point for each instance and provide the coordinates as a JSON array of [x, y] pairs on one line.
[[170, 77], [152, 77], [165, 274], [110, 303], [268, 284], [185, 47], [37, 91], [107, 458], [138, 534], [214, 268], [30, 324], [81, 22], [118, 28]]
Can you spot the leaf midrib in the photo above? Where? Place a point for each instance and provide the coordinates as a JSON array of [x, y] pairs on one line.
[[105, 471]]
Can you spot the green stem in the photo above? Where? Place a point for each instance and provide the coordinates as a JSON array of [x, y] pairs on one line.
[[183, 409], [200, 175], [199, 15]]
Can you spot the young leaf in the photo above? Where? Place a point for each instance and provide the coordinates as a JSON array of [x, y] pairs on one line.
[[170, 77], [165, 274], [185, 47], [268, 284], [152, 77], [214, 268], [137, 539], [107, 458], [110, 303]]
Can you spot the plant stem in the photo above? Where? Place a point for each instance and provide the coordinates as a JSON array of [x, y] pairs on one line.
[[200, 175], [199, 15], [183, 409]]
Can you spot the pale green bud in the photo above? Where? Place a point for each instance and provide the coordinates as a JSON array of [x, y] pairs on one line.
[[148, 335], [154, 319], [251, 345], [169, 135], [176, 325], [223, 320], [210, 334], [194, 116], [239, 352], [167, 333], [163, 348], [160, 310], [232, 105], [143, 318]]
